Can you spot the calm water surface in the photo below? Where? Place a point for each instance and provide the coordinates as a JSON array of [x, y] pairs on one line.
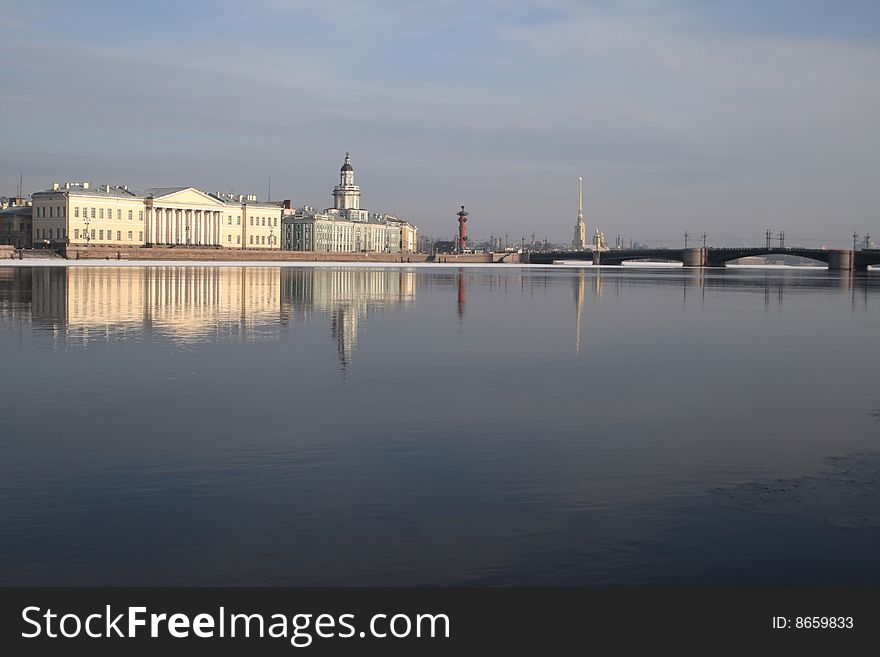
[[480, 426]]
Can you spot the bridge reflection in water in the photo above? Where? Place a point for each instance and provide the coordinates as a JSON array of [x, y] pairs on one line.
[[589, 286], [191, 305]]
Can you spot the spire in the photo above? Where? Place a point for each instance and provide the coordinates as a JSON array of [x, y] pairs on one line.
[[579, 243], [346, 166], [580, 196]]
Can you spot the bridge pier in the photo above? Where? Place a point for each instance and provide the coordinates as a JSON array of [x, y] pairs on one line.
[[840, 260], [693, 257]]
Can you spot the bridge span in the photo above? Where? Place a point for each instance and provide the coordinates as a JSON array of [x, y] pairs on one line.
[[836, 259]]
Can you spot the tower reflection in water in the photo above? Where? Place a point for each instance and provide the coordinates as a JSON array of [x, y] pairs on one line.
[[346, 296], [189, 306]]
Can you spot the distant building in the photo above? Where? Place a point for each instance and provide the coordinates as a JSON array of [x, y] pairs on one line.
[[346, 227], [16, 217], [114, 215]]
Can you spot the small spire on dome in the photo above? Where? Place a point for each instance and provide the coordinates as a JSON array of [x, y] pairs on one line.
[[346, 166]]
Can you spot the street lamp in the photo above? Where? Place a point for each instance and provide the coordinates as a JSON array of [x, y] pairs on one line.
[[187, 234], [86, 220]]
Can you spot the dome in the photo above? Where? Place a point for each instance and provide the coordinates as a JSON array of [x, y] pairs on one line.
[[347, 165]]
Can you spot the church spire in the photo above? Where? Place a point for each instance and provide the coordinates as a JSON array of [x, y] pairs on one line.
[[579, 243]]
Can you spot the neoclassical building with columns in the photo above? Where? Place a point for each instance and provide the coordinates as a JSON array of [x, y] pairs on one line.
[[81, 214]]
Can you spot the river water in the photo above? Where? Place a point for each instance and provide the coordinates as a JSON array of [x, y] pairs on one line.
[[441, 426]]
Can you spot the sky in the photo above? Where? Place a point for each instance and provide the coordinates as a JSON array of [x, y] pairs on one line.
[[718, 117]]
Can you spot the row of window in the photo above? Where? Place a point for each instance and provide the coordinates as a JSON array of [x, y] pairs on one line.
[[50, 211], [100, 213], [260, 239], [99, 235], [49, 233], [260, 221]]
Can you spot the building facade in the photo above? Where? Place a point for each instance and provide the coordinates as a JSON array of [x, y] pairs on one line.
[[346, 227], [113, 215], [16, 218]]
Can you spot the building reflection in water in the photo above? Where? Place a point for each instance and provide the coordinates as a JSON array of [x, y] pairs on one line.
[[183, 305], [346, 296], [188, 306]]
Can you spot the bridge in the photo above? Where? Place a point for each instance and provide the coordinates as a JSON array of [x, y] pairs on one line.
[[836, 259]]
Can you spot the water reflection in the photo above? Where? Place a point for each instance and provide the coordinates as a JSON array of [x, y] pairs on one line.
[[346, 296], [189, 425], [188, 306]]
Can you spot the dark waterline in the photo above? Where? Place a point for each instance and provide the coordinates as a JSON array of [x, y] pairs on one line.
[[489, 426]]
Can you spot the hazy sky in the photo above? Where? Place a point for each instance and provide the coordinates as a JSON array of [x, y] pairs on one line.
[[726, 117]]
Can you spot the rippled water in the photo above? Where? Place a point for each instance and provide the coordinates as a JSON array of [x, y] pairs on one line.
[[357, 425]]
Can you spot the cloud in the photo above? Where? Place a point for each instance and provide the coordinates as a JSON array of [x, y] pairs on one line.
[[498, 104]]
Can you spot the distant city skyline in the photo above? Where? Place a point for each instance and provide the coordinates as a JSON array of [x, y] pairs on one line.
[[726, 118]]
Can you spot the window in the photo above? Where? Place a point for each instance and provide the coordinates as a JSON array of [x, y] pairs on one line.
[[229, 237], [119, 214], [251, 239], [130, 215], [93, 214], [101, 234], [238, 221], [264, 239], [76, 212], [93, 232], [140, 215], [229, 220], [61, 211], [140, 236], [76, 233], [264, 221], [101, 213], [252, 221], [238, 239], [129, 236], [50, 211], [118, 235]]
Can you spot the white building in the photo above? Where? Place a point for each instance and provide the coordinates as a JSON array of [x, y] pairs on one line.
[[80, 214], [346, 227]]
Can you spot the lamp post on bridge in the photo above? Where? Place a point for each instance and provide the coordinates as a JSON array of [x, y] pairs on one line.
[[781, 239], [855, 238], [768, 235], [686, 237], [704, 240]]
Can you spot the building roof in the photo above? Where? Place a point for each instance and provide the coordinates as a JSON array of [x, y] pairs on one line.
[[87, 189], [165, 191], [346, 166], [17, 210]]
